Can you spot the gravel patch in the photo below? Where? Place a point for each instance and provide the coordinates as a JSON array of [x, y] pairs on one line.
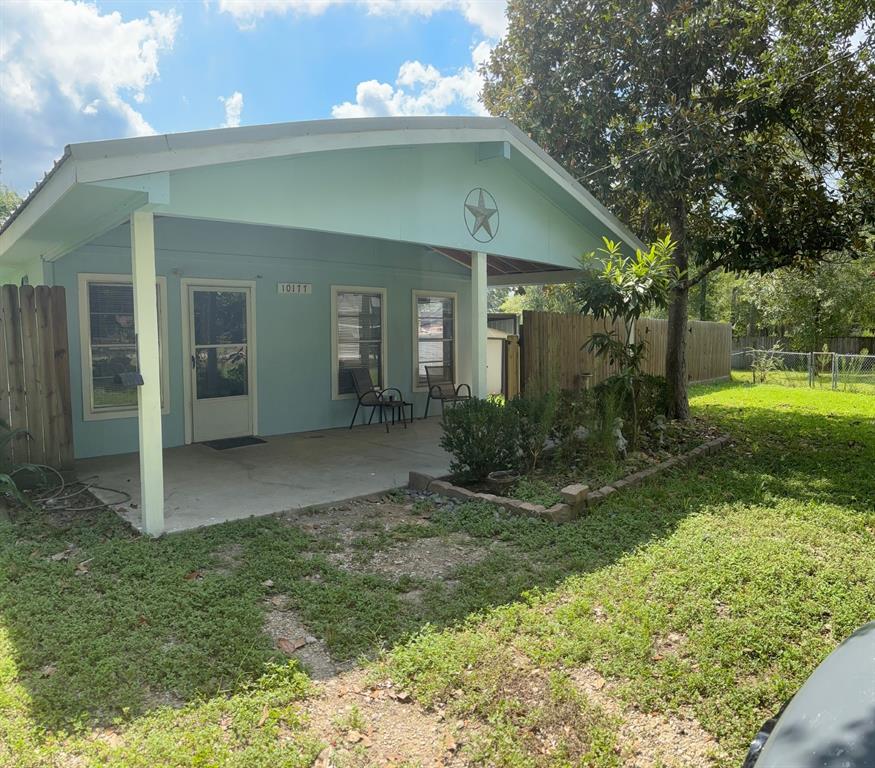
[[369, 724], [650, 740], [431, 558], [291, 636]]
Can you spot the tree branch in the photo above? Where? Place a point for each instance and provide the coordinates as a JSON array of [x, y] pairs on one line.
[[689, 282]]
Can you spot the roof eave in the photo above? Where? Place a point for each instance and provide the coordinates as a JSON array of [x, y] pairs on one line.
[[119, 158]]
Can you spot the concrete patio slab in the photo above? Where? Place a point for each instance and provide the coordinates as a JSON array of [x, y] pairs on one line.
[[203, 486]]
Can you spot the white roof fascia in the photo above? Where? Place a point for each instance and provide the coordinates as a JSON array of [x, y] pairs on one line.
[[53, 189], [111, 167], [560, 176], [153, 156], [113, 159]]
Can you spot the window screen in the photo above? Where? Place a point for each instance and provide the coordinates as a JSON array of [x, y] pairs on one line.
[[359, 334], [435, 335], [113, 344]]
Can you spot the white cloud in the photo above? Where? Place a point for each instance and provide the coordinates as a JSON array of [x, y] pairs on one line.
[[487, 15], [69, 73], [420, 89], [233, 109]]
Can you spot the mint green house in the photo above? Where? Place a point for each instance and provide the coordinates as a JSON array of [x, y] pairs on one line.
[[243, 271]]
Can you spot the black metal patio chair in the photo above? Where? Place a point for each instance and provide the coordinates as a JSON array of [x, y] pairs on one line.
[[382, 400], [441, 386]]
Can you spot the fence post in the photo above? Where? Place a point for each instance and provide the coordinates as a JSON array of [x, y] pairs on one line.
[[811, 369], [835, 371], [512, 367]]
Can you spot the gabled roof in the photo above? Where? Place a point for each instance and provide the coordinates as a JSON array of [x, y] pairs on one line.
[[146, 158]]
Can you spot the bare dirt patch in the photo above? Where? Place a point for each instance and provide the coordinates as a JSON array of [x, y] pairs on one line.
[[347, 521], [650, 740], [357, 530], [428, 558], [671, 644], [227, 559], [291, 636], [366, 724]]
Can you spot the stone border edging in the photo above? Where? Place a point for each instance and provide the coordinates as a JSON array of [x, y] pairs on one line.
[[575, 498]]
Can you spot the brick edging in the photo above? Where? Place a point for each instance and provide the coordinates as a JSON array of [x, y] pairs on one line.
[[575, 498]]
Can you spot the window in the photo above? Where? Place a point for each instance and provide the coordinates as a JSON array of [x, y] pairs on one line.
[[109, 344], [434, 326], [358, 335]]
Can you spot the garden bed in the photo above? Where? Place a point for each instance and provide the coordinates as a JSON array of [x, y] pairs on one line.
[[563, 488]]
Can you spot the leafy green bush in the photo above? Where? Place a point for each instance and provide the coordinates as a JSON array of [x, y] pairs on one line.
[[533, 420], [652, 394], [486, 436], [489, 435], [595, 413], [480, 435]]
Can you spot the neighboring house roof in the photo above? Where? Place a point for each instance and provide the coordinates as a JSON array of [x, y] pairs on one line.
[[122, 171]]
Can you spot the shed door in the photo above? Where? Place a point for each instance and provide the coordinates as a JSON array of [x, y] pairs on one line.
[[221, 376]]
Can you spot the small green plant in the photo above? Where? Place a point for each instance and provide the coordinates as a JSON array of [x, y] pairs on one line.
[[9, 469], [765, 362], [536, 491], [626, 288], [572, 425], [351, 720], [609, 406], [533, 418]]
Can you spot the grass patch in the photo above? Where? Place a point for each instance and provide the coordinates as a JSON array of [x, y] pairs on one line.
[[763, 565], [714, 590]]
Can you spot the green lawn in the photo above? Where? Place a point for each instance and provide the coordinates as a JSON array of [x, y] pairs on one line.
[[713, 592]]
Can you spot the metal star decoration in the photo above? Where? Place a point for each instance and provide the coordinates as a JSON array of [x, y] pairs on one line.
[[482, 214]]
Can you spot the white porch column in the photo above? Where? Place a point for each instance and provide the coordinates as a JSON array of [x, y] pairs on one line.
[[478, 323], [149, 399]]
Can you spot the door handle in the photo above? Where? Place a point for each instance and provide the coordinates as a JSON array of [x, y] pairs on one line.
[[192, 362]]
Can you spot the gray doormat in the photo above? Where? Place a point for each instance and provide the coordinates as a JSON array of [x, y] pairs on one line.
[[232, 442]]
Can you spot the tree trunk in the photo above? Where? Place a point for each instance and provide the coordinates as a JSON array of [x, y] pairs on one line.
[[678, 315]]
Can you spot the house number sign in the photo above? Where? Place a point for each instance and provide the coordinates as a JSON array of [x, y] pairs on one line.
[[294, 289]]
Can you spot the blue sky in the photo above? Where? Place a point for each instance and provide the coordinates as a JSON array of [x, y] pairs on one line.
[[75, 72]]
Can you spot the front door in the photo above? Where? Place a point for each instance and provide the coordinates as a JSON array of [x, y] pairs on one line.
[[221, 375]]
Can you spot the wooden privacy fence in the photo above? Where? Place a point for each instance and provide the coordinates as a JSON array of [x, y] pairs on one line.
[[553, 354], [35, 374]]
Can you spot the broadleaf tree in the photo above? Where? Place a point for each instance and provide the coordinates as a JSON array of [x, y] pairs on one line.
[[624, 289], [9, 201], [746, 129]]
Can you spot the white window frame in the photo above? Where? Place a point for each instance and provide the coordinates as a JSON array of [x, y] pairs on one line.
[[335, 363], [417, 387], [89, 412]]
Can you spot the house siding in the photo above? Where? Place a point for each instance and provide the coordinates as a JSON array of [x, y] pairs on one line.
[[293, 333]]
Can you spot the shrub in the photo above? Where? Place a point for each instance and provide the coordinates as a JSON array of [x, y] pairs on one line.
[[652, 393], [485, 436], [572, 424], [533, 418], [481, 438], [611, 411], [597, 412]]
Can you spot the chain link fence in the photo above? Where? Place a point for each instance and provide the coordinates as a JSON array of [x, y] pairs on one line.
[[824, 370]]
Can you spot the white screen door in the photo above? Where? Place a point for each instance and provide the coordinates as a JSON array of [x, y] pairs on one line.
[[221, 376]]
